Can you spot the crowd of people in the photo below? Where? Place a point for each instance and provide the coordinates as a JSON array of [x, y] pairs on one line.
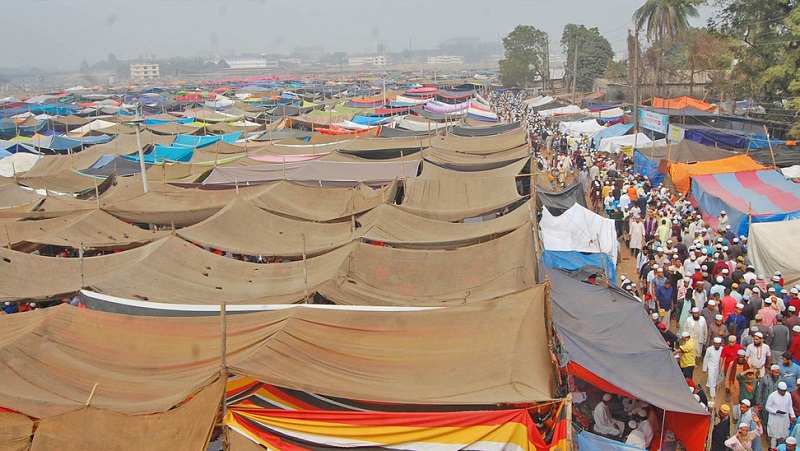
[[737, 330]]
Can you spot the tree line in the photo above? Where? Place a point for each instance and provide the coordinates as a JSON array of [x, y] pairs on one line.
[[748, 50]]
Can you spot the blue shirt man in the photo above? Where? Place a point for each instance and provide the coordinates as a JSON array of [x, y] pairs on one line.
[[736, 322], [664, 295], [790, 372]]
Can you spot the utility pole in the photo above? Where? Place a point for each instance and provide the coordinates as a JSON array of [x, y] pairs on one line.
[[575, 68], [636, 81]]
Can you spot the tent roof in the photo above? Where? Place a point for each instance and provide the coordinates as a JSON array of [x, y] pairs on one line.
[[683, 172], [579, 229], [483, 353], [770, 250], [230, 229], [612, 337]]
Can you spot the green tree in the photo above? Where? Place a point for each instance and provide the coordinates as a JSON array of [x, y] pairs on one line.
[[594, 53], [662, 21], [767, 59], [527, 57], [616, 69]]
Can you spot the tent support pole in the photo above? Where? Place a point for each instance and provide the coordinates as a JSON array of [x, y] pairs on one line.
[[91, 394], [769, 141], [535, 232], [548, 320], [223, 351], [570, 430], [80, 255], [96, 193], [8, 238], [305, 270]]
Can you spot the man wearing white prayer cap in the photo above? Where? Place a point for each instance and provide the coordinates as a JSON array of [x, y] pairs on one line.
[[758, 354], [781, 414], [697, 328], [604, 423], [789, 445], [636, 437], [711, 366]]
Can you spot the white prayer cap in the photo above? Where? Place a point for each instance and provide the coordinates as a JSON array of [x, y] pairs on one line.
[[744, 425], [732, 338], [685, 335], [727, 227], [695, 310], [796, 329], [793, 291], [654, 316], [777, 273], [717, 340], [791, 441], [717, 316], [768, 301], [712, 303], [774, 367], [739, 305], [669, 241], [659, 249], [745, 402], [759, 335], [632, 424], [754, 328], [697, 397], [606, 397], [782, 385], [720, 279], [776, 278], [725, 271], [792, 308], [722, 212]]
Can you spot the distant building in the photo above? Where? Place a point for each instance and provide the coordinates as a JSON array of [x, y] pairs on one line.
[[255, 62], [145, 71], [445, 59], [377, 61]]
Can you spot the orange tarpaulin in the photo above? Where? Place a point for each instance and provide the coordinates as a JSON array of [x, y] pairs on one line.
[[682, 102], [682, 173]]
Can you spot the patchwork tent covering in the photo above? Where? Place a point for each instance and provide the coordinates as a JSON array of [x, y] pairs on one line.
[[448, 195], [579, 229], [772, 247], [53, 357], [682, 173], [391, 225], [243, 228], [757, 196], [329, 173], [374, 275], [482, 145], [505, 429], [457, 161], [598, 344]]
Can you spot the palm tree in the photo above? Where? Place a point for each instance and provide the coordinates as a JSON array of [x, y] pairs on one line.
[[663, 20]]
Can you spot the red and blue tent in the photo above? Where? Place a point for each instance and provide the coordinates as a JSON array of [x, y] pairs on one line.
[[757, 196]]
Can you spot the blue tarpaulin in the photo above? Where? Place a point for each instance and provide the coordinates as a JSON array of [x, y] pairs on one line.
[[592, 442], [184, 120], [171, 153], [203, 141], [731, 139], [370, 120], [644, 166], [574, 260], [611, 132]]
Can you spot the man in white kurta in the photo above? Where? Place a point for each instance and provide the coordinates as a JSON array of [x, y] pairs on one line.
[[711, 363], [636, 437], [781, 415], [604, 423], [696, 327]]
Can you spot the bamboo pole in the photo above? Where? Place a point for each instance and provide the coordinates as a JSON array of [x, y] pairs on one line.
[[80, 256], [769, 141], [8, 238], [305, 270], [223, 345], [91, 394]]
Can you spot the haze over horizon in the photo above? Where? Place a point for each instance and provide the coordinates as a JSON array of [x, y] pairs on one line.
[[58, 35]]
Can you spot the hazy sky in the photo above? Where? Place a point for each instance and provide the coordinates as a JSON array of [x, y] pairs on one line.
[[60, 33]]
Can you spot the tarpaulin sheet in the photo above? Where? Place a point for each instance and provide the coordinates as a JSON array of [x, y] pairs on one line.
[[564, 199], [613, 338], [187, 426], [202, 141], [591, 442], [682, 102], [610, 132], [573, 260], [773, 247], [579, 229], [647, 167], [487, 130], [682, 173], [785, 156], [766, 195], [727, 138], [422, 431], [161, 153]]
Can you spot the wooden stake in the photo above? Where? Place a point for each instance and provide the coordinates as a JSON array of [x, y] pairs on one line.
[[223, 345], [80, 256], [91, 394]]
